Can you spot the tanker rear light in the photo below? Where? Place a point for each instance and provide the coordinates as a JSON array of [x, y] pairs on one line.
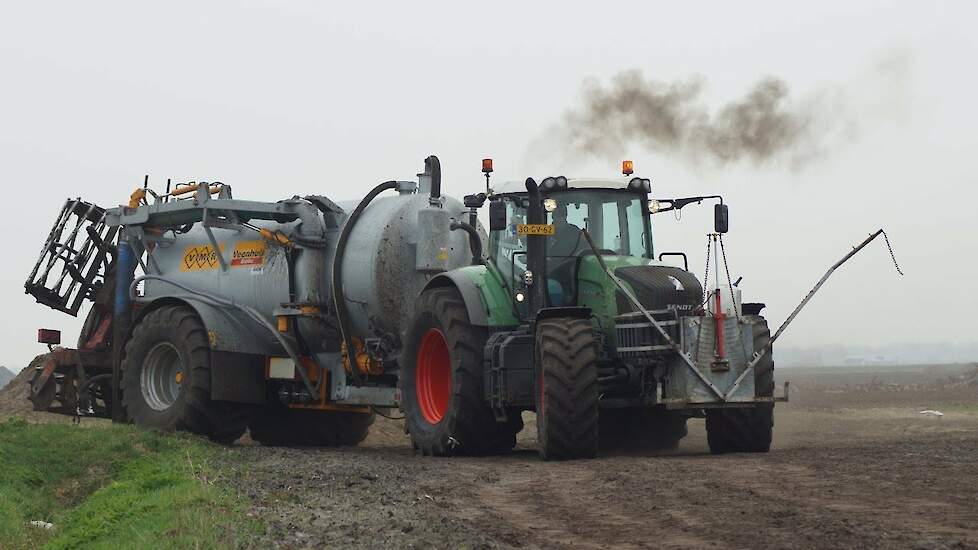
[[48, 336]]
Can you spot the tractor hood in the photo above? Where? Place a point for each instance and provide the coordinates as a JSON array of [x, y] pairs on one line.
[[660, 287]]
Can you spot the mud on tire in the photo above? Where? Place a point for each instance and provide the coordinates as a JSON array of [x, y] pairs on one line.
[[747, 430], [567, 396], [442, 382], [166, 379]]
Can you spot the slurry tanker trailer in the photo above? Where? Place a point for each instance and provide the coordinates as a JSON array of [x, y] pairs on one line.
[[298, 320]]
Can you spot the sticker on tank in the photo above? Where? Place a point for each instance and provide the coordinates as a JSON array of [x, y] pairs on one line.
[[248, 253], [204, 258]]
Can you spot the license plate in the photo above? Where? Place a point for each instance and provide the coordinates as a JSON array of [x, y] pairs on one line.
[[535, 229]]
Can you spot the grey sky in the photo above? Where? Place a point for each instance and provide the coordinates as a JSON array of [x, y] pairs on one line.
[[283, 98]]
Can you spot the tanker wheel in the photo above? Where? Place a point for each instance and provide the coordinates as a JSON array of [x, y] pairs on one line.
[[279, 426], [567, 396], [442, 382], [166, 379], [631, 430], [41, 398], [747, 430]]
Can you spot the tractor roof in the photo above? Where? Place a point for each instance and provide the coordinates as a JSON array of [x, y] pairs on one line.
[[572, 183]]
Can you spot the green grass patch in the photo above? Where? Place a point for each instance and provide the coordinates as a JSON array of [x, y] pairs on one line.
[[115, 487]]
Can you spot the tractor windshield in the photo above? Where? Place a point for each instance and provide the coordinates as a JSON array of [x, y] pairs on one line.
[[616, 219]]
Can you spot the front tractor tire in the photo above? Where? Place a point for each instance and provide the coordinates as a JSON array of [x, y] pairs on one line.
[[747, 430], [567, 392], [166, 380], [442, 382]]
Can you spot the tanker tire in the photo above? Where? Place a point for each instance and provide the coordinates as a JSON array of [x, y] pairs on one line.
[[193, 410], [467, 425], [747, 430], [640, 430], [279, 426], [567, 392]]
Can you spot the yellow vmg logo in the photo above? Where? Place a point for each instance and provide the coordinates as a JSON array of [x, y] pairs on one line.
[[204, 258]]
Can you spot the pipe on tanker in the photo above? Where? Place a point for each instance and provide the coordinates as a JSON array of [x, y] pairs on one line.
[[121, 319], [339, 301], [432, 167], [475, 242]]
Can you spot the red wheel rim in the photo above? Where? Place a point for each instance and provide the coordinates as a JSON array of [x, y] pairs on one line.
[[433, 377]]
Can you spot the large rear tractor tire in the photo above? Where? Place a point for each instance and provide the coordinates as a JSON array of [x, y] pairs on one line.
[[640, 430], [567, 393], [747, 430], [279, 426], [166, 380], [442, 382]]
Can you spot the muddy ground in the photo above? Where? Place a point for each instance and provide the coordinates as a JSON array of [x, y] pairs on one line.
[[854, 465]]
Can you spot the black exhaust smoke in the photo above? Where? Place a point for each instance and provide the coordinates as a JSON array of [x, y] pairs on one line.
[[766, 124], [672, 117]]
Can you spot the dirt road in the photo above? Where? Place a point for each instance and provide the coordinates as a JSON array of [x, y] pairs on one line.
[[854, 465], [866, 471]]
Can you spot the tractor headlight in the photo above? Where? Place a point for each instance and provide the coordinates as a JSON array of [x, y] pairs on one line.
[[520, 297], [549, 205], [561, 182], [549, 184], [653, 206]]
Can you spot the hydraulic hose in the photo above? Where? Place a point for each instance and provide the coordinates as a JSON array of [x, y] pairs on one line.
[[475, 242], [310, 243], [339, 302]]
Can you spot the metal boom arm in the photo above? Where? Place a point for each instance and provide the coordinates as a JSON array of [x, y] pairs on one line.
[[758, 354]]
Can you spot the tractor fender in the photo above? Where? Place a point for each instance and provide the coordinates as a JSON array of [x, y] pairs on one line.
[[469, 291], [228, 329]]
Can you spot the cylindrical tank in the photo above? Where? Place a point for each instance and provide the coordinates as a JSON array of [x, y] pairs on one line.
[[397, 245]]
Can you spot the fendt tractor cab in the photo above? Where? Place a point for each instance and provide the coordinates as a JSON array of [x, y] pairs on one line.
[[576, 319]]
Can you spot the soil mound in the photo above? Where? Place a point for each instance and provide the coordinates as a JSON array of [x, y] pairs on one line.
[[13, 396]]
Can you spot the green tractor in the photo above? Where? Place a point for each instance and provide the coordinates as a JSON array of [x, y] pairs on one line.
[[571, 315]]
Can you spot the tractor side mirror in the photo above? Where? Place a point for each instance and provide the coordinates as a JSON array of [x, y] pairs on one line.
[[497, 216], [721, 218]]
